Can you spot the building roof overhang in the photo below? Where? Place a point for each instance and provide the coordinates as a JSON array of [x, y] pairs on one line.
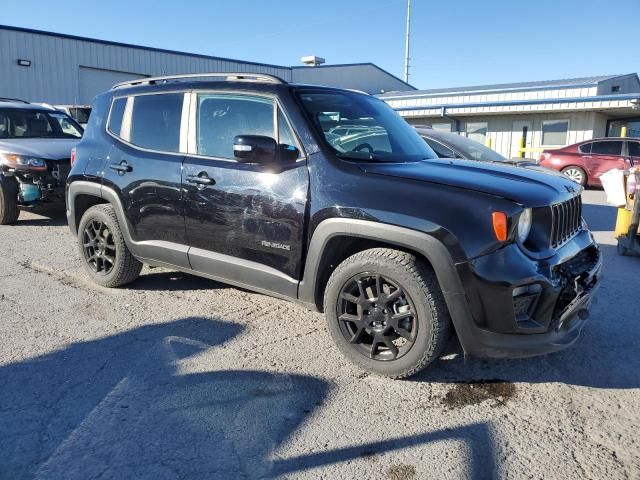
[[628, 103]]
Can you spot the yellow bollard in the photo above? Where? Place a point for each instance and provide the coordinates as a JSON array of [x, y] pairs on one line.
[[623, 131], [489, 142], [522, 144]]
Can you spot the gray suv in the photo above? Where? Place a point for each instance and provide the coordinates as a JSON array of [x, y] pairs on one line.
[[35, 155]]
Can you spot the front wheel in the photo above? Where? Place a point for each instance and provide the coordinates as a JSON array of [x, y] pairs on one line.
[[386, 312], [576, 174], [9, 210], [106, 257]]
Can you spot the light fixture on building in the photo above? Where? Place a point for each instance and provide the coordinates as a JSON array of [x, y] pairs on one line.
[[312, 60], [24, 63]]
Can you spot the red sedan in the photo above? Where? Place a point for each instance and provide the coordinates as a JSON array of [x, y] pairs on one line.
[[584, 162]]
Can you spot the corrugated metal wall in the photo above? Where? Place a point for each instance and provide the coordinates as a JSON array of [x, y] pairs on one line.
[[58, 60]]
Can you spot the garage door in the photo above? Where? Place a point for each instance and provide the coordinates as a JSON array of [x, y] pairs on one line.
[[96, 80]]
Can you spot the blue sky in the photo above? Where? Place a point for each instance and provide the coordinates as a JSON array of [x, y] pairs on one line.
[[454, 43]]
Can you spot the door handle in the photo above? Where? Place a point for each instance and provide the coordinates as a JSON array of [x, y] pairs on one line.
[[201, 179], [122, 167]]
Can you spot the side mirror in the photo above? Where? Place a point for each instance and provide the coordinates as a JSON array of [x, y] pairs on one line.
[[263, 150], [255, 149]]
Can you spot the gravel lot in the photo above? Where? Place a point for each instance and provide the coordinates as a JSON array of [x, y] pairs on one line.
[[182, 378]]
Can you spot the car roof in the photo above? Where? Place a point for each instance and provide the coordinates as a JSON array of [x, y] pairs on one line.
[[18, 105], [243, 85]]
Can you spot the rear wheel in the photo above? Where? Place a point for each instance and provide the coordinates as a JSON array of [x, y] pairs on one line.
[[9, 210], [106, 257], [386, 313], [576, 174]]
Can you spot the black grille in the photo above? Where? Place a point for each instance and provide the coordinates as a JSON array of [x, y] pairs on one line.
[[565, 220]]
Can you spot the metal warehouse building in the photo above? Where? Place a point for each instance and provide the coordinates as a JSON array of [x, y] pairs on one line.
[[49, 67], [524, 118]]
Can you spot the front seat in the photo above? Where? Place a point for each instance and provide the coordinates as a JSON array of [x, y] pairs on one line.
[[37, 127]]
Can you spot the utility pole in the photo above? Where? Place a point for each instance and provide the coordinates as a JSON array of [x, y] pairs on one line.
[[406, 45]]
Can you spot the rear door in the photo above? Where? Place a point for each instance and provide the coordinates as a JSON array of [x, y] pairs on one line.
[[144, 168], [605, 155], [244, 223]]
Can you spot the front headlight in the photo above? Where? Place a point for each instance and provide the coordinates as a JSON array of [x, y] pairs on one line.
[[22, 162], [524, 225]]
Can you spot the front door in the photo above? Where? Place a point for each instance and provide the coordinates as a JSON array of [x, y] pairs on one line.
[[521, 135], [144, 169], [244, 223]]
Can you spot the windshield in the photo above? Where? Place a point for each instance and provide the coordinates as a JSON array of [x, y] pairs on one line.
[[361, 127], [474, 150], [23, 123]]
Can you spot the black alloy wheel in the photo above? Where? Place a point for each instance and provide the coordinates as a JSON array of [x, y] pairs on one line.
[[99, 247], [377, 316]]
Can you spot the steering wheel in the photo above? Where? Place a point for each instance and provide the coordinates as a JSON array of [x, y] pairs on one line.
[[362, 146]]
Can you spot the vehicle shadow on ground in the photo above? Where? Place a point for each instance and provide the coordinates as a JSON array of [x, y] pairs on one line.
[[123, 407], [606, 355], [49, 216], [172, 281]]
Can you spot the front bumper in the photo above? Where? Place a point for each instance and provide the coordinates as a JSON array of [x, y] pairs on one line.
[[567, 285]]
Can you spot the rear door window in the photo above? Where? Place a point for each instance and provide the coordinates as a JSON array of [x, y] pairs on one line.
[[155, 121], [611, 147], [634, 149]]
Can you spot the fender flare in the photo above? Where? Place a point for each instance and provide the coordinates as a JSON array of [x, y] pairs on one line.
[[175, 255], [420, 242], [79, 187], [426, 245]]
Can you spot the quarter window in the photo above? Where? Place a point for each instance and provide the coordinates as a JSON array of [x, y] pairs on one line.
[[610, 147], [116, 115], [585, 148], [155, 122], [285, 134], [222, 117], [554, 132]]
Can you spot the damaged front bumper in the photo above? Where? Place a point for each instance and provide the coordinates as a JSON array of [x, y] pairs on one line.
[[520, 307]]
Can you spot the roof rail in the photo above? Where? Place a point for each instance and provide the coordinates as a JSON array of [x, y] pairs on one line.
[[5, 99], [253, 77]]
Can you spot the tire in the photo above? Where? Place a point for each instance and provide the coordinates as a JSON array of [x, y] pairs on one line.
[[103, 250], [576, 174], [9, 210], [427, 328]]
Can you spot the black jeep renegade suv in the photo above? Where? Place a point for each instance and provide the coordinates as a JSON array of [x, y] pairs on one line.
[[329, 198]]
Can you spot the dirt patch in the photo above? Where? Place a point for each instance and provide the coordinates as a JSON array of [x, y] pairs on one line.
[[401, 472], [478, 391]]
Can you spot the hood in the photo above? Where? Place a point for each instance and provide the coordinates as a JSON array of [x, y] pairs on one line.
[[47, 148], [531, 186]]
